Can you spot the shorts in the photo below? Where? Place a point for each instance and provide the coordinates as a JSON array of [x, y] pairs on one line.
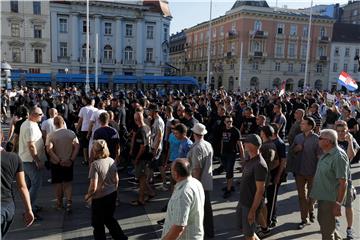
[[228, 162], [157, 161], [242, 213], [84, 142], [140, 169], [60, 174]]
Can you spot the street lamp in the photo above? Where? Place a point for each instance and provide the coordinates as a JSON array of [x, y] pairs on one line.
[[66, 70]]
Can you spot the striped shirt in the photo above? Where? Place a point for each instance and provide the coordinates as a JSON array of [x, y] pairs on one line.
[[186, 208]]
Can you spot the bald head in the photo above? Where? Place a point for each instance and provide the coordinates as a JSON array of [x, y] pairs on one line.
[[53, 112], [181, 167]]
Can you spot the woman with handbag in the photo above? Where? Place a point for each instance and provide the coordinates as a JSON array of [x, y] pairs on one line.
[[102, 193]]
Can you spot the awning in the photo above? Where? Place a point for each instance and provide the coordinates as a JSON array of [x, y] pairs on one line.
[[169, 80], [124, 79], [38, 77], [80, 78]]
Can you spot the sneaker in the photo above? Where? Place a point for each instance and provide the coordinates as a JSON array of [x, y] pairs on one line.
[[312, 217], [68, 208], [272, 224], [227, 194], [303, 224], [263, 233], [161, 222], [349, 234]]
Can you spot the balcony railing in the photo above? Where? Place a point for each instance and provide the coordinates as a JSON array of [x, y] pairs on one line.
[[258, 54], [258, 34], [323, 58], [108, 61], [128, 62], [324, 39], [232, 34], [83, 60], [63, 59]]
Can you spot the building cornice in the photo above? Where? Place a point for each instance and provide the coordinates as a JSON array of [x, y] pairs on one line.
[[16, 43], [15, 19]]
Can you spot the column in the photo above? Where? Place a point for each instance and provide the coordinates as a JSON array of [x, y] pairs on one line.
[[98, 31], [158, 43], [118, 40], [54, 37], [140, 51], [75, 30]]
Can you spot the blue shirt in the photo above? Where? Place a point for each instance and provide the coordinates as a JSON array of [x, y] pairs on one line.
[[174, 147], [184, 147]]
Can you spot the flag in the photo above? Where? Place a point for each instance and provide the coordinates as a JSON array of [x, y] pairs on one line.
[[282, 91], [346, 81]]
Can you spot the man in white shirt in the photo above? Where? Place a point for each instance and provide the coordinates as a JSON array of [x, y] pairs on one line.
[[48, 126], [32, 153], [83, 126]]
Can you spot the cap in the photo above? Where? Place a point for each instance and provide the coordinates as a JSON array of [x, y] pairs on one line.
[[253, 139]]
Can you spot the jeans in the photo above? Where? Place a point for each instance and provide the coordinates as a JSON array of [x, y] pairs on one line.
[[7, 216], [33, 177], [102, 213], [208, 216]]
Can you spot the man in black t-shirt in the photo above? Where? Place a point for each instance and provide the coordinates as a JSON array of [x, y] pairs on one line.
[[230, 146], [11, 169], [248, 125]]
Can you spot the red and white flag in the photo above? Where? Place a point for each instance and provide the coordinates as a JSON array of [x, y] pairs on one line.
[[282, 91]]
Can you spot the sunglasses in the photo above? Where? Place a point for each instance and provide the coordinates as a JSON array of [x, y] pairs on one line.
[[229, 121], [321, 138], [38, 114]]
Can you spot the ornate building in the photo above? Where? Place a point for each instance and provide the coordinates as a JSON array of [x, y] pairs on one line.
[[274, 48], [177, 53]]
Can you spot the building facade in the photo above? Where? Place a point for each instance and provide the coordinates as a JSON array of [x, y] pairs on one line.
[[351, 12], [25, 35], [274, 48], [177, 53], [345, 46], [133, 38]]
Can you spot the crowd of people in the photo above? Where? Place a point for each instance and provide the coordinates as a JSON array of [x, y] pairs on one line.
[[304, 135]]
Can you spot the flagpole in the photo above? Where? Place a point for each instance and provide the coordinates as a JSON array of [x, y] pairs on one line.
[[308, 48], [209, 50], [96, 60], [87, 87], [240, 64]]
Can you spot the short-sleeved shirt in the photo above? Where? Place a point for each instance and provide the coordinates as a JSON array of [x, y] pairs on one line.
[[280, 120], [184, 147], [62, 140], [249, 125], [157, 128], [200, 156], [111, 137], [48, 125], [280, 147], [174, 145], [104, 171], [86, 113], [317, 118], [332, 166], [18, 125], [30, 132], [306, 160], [142, 137], [254, 170], [230, 137], [11, 164], [95, 119], [186, 208]]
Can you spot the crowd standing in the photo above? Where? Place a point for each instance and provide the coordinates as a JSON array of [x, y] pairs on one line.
[[149, 134]]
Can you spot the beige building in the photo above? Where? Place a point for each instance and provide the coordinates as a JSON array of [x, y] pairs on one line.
[[25, 35], [274, 48]]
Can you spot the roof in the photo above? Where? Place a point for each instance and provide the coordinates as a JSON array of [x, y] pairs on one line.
[[256, 3], [346, 33], [161, 6]]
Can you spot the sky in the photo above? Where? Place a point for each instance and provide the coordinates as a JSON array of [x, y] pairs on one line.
[[189, 13]]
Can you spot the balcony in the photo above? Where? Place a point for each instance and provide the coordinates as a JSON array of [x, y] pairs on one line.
[[323, 58], [128, 62], [280, 36], [293, 37], [83, 60], [229, 55], [289, 73], [63, 59], [232, 34], [258, 34], [107, 61], [258, 54], [324, 39], [188, 45]]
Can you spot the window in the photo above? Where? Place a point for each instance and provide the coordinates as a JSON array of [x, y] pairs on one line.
[[257, 25], [214, 33], [16, 55], [37, 31], [345, 67], [290, 67], [63, 49], [303, 50], [15, 30], [335, 67], [255, 66], [166, 33], [305, 31], [280, 28], [355, 68], [38, 55], [201, 37], [149, 54], [150, 32], [302, 67], [322, 32], [14, 6], [256, 47], [293, 30], [108, 52], [85, 26], [37, 7], [291, 49], [355, 12], [336, 52], [347, 52], [357, 52], [63, 25], [221, 30], [232, 48], [129, 30], [279, 49], [128, 53], [321, 51], [108, 28], [277, 67], [200, 67], [83, 51], [319, 68]]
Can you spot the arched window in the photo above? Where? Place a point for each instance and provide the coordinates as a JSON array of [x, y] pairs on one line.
[[83, 51], [108, 52], [128, 53], [257, 25], [289, 85], [322, 32], [318, 84], [220, 82], [321, 51], [256, 47], [301, 84], [231, 83], [254, 83]]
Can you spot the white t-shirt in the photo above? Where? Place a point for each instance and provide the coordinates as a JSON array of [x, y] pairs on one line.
[[85, 113], [157, 128], [30, 132], [95, 118], [48, 126]]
